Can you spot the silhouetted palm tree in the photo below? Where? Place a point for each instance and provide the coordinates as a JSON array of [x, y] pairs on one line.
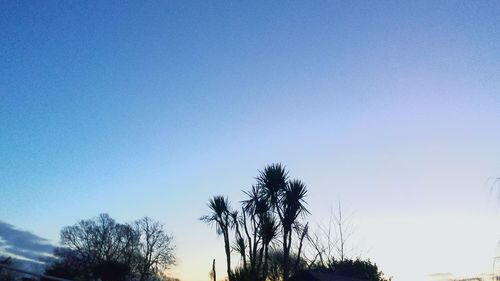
[[220, 215], [286, 198], [293, 205], [239, 245], [273, 208], [293, 202], [268, 231], [256, 203], [256, 206], [273, 180]]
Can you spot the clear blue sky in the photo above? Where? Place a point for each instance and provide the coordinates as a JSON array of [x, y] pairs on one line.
[[150, 107]]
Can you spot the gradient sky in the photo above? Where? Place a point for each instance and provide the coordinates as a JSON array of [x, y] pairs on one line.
[[150, 107]]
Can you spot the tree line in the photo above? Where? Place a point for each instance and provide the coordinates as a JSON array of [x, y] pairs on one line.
[[103, 249], [270, 233]]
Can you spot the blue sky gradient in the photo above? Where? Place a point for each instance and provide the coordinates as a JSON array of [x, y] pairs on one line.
[[150, 107]]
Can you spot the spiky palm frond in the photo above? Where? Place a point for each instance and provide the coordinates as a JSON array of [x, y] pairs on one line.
[[234, 219], [219, 205], [268, 230], [273, 180], [240, 246], [219, 213], [255, 195], [293, 201]]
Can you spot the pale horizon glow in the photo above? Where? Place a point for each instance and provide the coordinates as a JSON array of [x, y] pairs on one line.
[[149, 108]]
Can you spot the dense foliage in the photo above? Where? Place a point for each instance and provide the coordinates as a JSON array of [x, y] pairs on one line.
[[355, 268]]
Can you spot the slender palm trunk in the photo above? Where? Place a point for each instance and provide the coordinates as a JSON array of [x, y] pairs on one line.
[[285, 255], [248, 238], [240, 238], [266, 260], [228, 255], [259, 263], [253, 264]]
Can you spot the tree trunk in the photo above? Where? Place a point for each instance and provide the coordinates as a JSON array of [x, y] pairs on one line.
[[213, 271], [302, 236], [228, 255], [248, 236], [266, 259], [285, 255], [259, 263]]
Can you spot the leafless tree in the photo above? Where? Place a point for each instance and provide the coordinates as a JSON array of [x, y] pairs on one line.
[[100, 239], [156, 249], [102, 248], [330, 242]]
